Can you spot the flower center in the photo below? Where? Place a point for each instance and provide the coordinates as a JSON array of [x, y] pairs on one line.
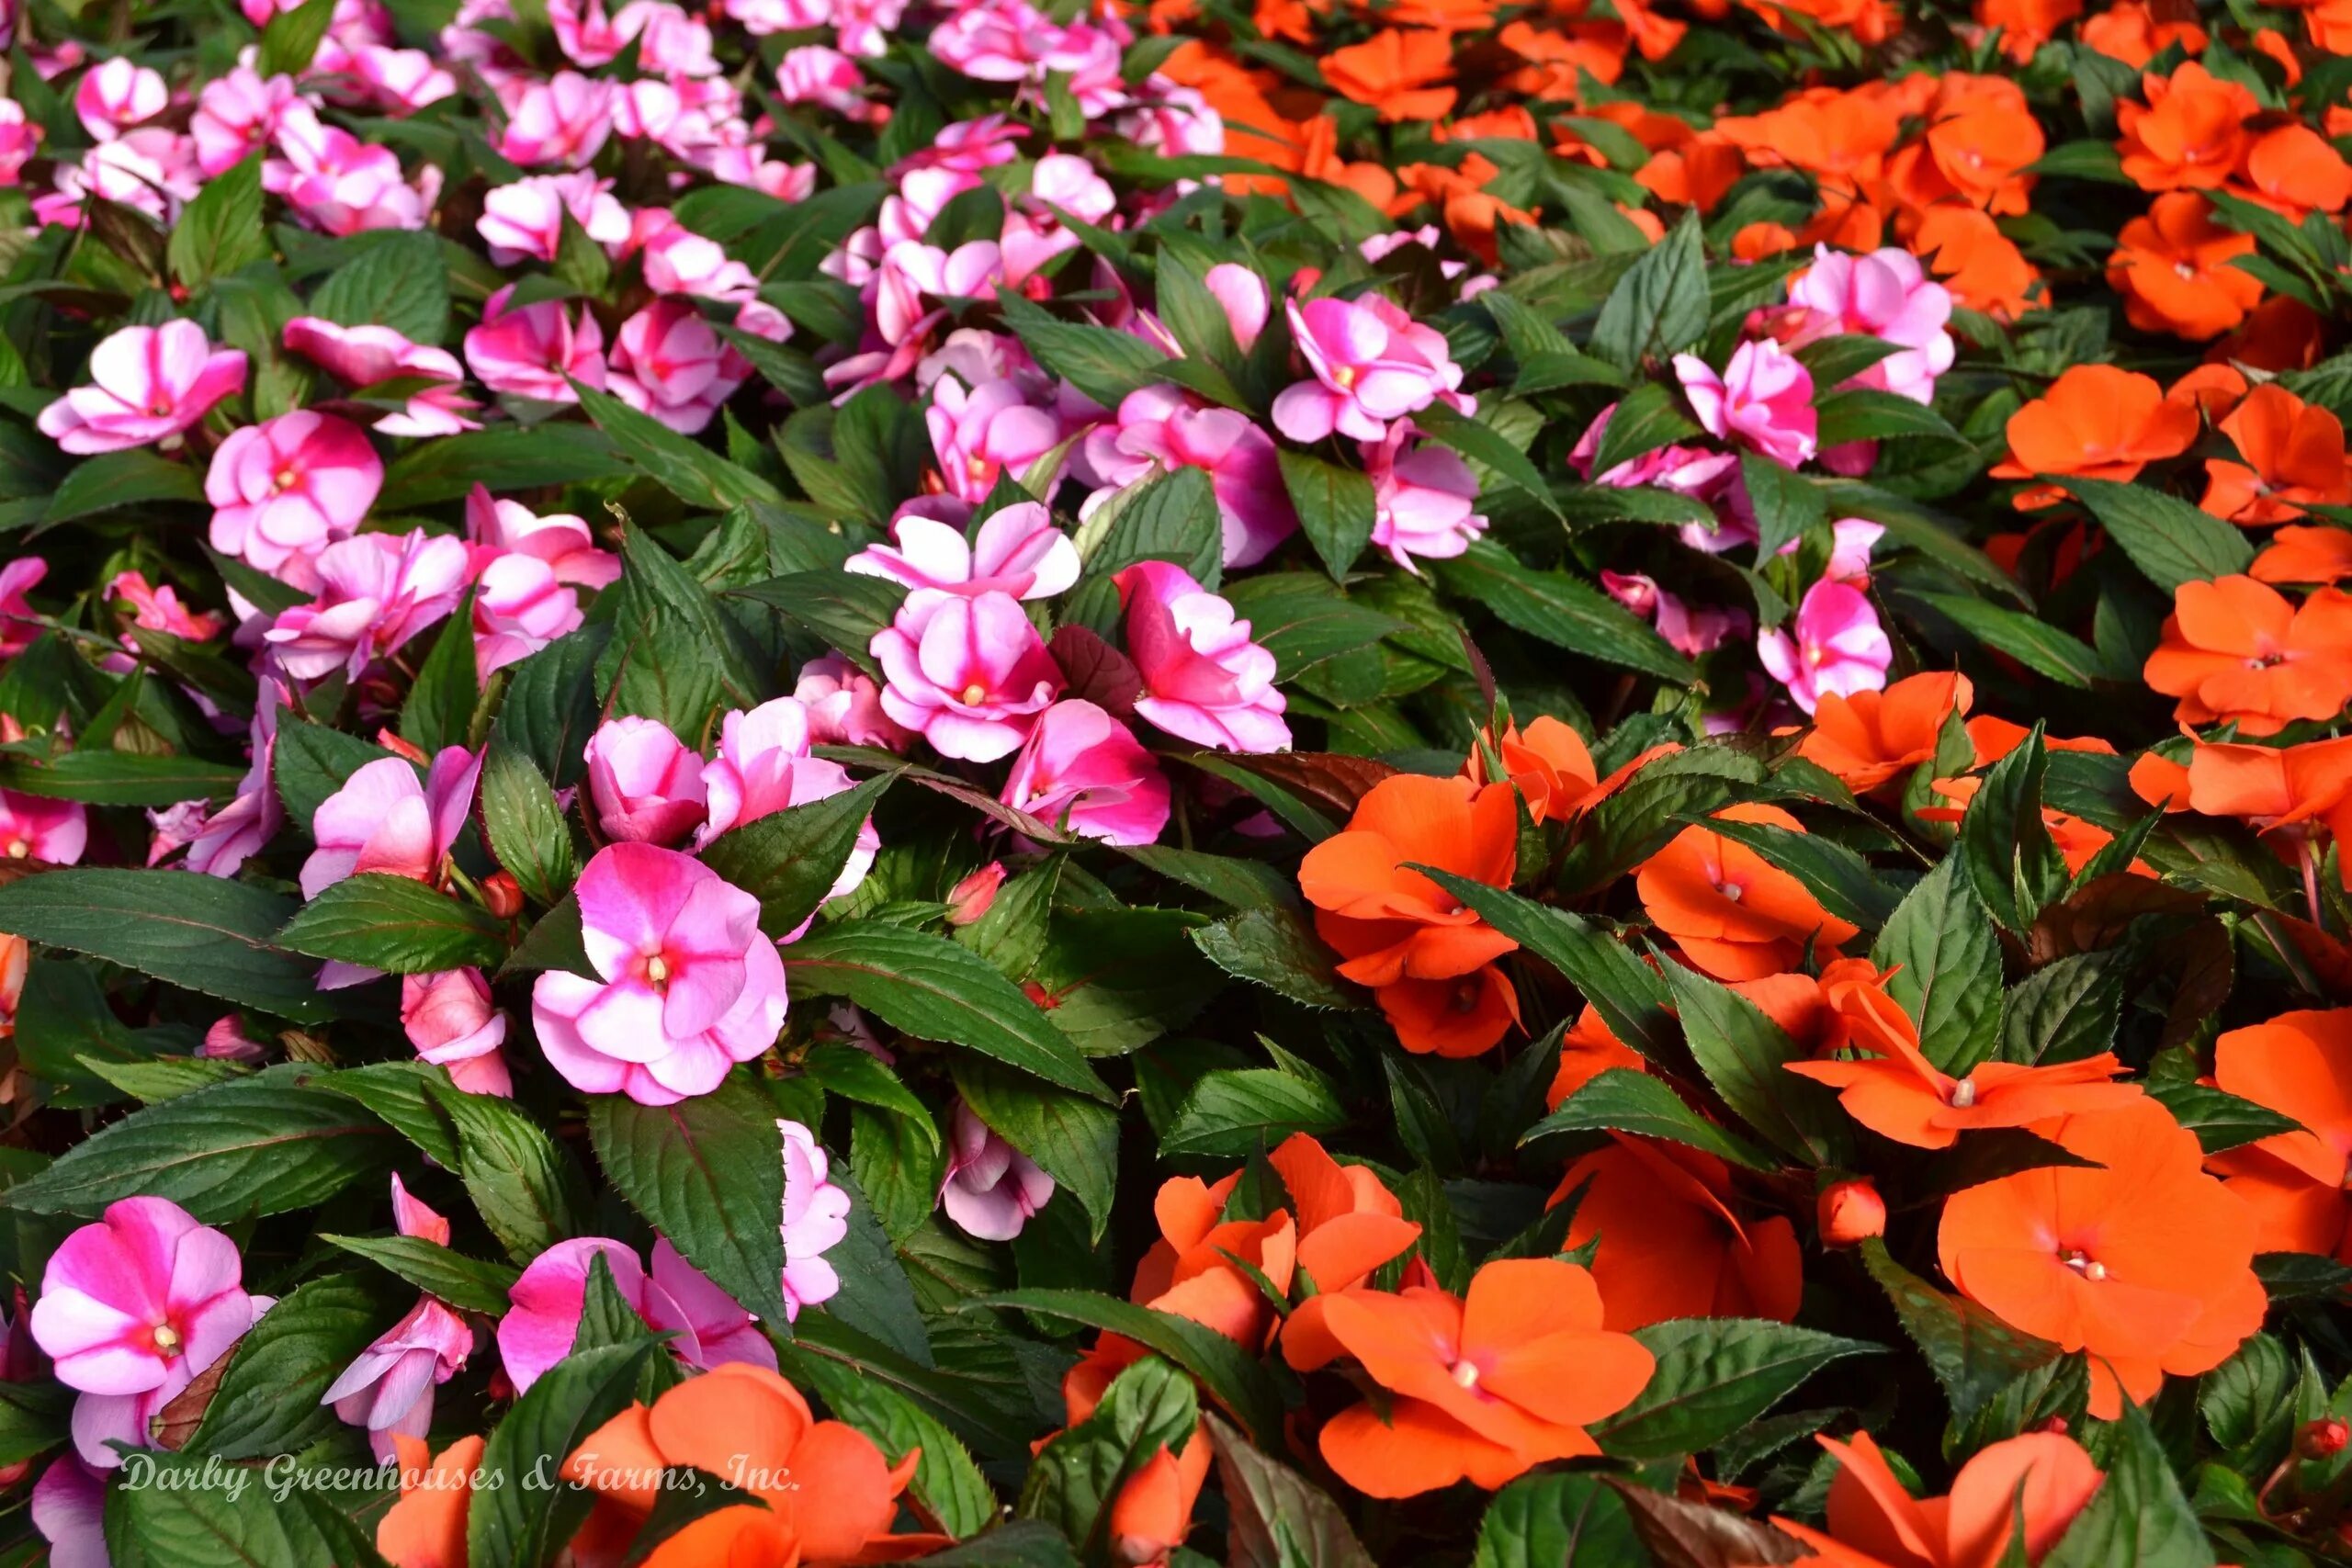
[[1344, 377], [973, 694], [167, 1338], [2083, 1263], [287, 479], [1466, 1000], [1964, 1094], [1466, 1374], [977, 467], [21, 849], [1731, 890], [656, 971], [2183, 270]]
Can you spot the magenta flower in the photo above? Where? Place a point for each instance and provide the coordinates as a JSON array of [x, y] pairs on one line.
[[816, 1219], [980, 433], [1687, 470], [524, 222], [537, 351], [1851, 541], [1763, 400], [1160, 428], [365, 355], [147, 384], [32, 828], [237, 115], [1203, 679], [563, 120], [19, 140], [519, 608], [219, 845], [991, 1188], [688, 985], [646, 785], [676, 260], [559, 539], [449, 1019], [117, 95], [385, 819], [764, 767], [69, 1506], [389, 1389], [284, 490], [1371, 363], [400, 80], [1691, 631], [1839, 646], [845, 707], [18, 629], [132, 1309], [1887, 295], [376, 592], [815, 74], [1083, 769], [669, 362], [340, 185], [1243, 294], [1425, 501], [1017, 550], [226, 1041], [968, 675], [543, 1320]]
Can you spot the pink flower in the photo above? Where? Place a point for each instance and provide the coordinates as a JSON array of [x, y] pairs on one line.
[[816, 1219], [1690, 631], [764, 767], [226, 1041], [1839, 646], [389, 1390], [401, 81], [524, 222], [1018, 551], [1763, 400], [364, 355], [1243, 294], [676, 260], [19, 140], [1425, 501], [412, 1217], [159, 609], [1083, 769], [284, 490], [152, 169], [33, 829], [647, 786], [69, 1506], [845, 707], [968, 675], [669, 363], [761, 17], [814, 75], [117, 95], [1159, 428], [991, 1188], [1205, 681], [236, 115], [18, 629], [536, 352], [519, 608], [1371, 363], [974, 893], [1687, 470], [543, 1320], [340, 185], [911, 273], [132, 1309], [982, 433], [147, 385], [1885, 295], [376, 592], [449, 1019], [558, 538], [688, 985], [385, 819], [563, 120], [1851, 541], [226, 836]]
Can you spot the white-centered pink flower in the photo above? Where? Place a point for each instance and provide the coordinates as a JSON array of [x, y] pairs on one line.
[[563, 120], [386, 819], [984, 432], [1160, 428], [815, 1221], [708, 1328], [676, 260], [285, 490], [1763, 400], [147, 384], [450, 1019], [669, 362], [968, 674], [1371, 363], [117, 95], [1016, 550], [340, 185], [992, 1188], [1082, 770], [558, 538], [536, 351], [401, 81], [646, 783], [366, 355], [524, 222], [1885, 295], [686, 984], [1425, 501], [236, 115], [826, 77], [1203, 679], [376, 592], [1834, 644]]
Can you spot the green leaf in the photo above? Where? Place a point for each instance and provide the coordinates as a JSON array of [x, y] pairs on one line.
[[395, 924], [1277, 949], [34, 1418], [552, 706], [1745, 1056], [519, 1524], [526, 826], [440, 708], [1103, 364], [1715, 1375], [263, 1145], [1072, 1138], [1303, 620], [2138, 1517], [1557, 1520], [1335, 509], [933, 989], [875, 1294], [692, 472], [1835, 874], [1644, 419], [841, 609], [527, 1192], [289, 44], [676, 655], [1230, 1374], [2064, 1011], [1170, 516], [1625, 1100], [1787, 503], [1973, 1353], [136, 478], [1234, 1113], [121, 778], [312, 761], [469, 1284], [2032, 642], [1660, 307], [789, 860], [2170, 541], [1079, 1475], [400, 1093], [1118, 980], [2220, 1120], [268, 1399], [1484, 445], [1564, 611], [400, 281], [947, 1484], [221, 230], [2005, 846], [203, 932], [1947, 963], [1280, 1519], [707, 1173], [182, 1515], [1865, 413], [504, 459], [68, 1036]]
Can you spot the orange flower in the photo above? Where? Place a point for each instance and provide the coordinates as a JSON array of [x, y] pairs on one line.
[[1555, 60], [2214, 389], [1981, 138], [426, 1529], [1841, 139], [1897, 1093], [743, 1535], [1485, 1387], [2281, 790], [1318, 157], [2098, 422], [2298, 1063], [2292, 456], [1393, 72], [1190, 1271], [1981, 265], [2025, 24], [2173, 269], [1552, 767], [1349, 1225], [2280, 334], [1587, 1051], [2294, 171], [2144, 1262], [1875, 1522], [831, 1495], [1872, 737], [1471, 214], [1733, 915], [2305, 555], [2190, 133], [2130, 32], [1698, 174], [2234, 649], [1671, 1244], [1153, 1513], [1429, 959]]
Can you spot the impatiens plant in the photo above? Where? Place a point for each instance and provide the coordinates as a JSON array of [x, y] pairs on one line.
[[1087, 784]]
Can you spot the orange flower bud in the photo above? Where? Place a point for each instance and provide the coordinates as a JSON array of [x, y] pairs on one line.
[[502, 896], [1851, 1212]]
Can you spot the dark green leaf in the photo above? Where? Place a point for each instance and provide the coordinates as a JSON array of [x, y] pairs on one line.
[[469, 1284], [1335, 509], [526, 826], [267, 1400], [1625, 1100], [789, 860], [1660, 307], [395, 924], [1715, 1375], [1564, 611], [2170, 541], [1947, 963], [511, 1523]]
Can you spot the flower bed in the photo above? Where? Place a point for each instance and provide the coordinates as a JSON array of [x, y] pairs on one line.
[[828, 781]]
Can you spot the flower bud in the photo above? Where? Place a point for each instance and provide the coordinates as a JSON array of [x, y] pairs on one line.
[[2322, 1439], [501, 895], [1851, 1212], [970, 898]]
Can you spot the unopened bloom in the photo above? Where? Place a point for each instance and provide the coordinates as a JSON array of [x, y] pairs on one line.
[[1205, 681], [449, 1019], [1763, 400], [992, 1188], [974, 893], [1083, 770], [708, 1328], [687, 985], [969, 675], [1851, 1212], [147, 384], [384, 820], [1371, 363], [1242, 293], [376, 592], [1016, 550], [284, 490], [1838, 646], [646, 785]]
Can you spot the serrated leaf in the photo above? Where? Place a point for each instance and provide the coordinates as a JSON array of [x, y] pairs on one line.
[[1714, 1375], [1335, 509], [268, 1399], [789, 860], [396, 924], [1622, 1099], [2170, 541], [471, 1284], [509, 1522], [1947, 964]]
